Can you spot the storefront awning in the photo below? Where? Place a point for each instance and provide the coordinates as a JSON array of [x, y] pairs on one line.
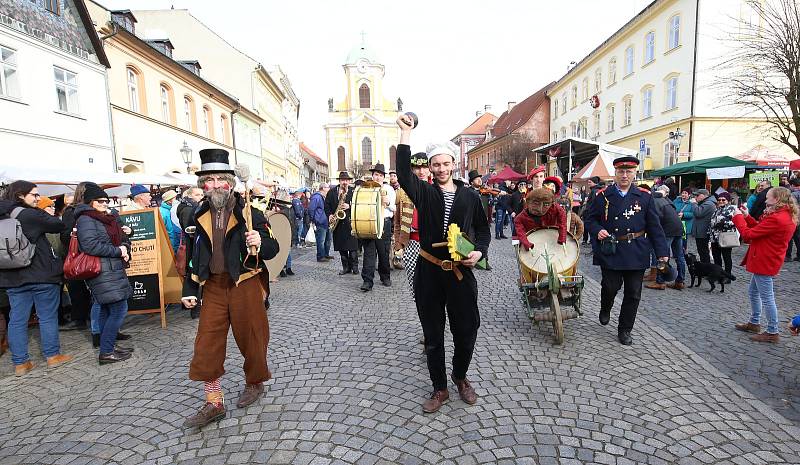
[[700, 166]]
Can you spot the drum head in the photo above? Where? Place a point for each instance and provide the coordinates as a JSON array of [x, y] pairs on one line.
[[282, 231], [563, 257], [366, 218]]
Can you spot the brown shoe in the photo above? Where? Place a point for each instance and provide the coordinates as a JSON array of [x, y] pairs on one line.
[[766, 337], [677, 285], [58, 359], [651, 275], [23, 368], [658, 286], [748, 327], [251, 393], [438, 398], [465, 390], [209, 413]]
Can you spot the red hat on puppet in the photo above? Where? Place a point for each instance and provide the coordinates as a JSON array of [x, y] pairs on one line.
[[538, 169], [555, 180]]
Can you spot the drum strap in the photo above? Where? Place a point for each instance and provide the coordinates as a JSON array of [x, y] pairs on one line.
[[446, 265]]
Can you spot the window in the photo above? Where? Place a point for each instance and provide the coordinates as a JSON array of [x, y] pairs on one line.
[[596, 117], [207, 129], [672, 93], [649, 47], [555, 109], [583, 128], [674, 31], [188, 114], [52, 6], [9, 80], [563, 133], [670, 153], [133, 89], [564, 101], [166, 104], [574, 97], [573, 129], [555, 136], [66, 90], [598, 80], [340, 159], [610, 118], [647, 102], [585, 90], [626, 110], [223, 129], [612, 71], [392, 157], [366, 151], [629, 60], [363, 96]]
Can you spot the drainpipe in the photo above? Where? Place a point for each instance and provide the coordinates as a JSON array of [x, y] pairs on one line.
[[694, 74], [114, 31], [233, 133]]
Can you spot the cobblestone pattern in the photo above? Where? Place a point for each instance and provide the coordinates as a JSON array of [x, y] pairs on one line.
[[350, 377]]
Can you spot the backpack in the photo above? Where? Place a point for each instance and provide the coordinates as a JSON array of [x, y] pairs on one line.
[[16, 251]]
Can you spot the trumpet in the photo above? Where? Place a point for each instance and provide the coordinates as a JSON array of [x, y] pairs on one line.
[[339, 214]]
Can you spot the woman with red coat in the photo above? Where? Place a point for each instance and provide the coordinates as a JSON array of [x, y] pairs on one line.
[[768, 238]]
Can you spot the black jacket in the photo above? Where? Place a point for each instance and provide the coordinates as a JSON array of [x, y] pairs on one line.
[[343, 239], [517, 202], [760, 204], [112, 284], [45, 267], [667, 215], [198, 255], [186, 209], [68, 217], [466, 212]]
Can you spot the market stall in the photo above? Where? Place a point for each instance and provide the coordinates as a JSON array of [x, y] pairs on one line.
[[567, 158]]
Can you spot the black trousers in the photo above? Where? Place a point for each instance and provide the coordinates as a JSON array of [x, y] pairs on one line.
[[349, 260], [796, 240], [612, 281], [437, 290], [81, 300], [720, 254], [377, 250], [702, 249]]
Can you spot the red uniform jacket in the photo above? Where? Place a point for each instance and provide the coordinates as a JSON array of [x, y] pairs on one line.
[[768, 240], [554, 216]]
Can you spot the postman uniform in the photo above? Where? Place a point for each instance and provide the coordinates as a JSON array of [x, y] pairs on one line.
[[632, 220]]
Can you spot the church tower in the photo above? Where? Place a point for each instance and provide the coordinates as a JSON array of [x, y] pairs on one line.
[[361, 129]]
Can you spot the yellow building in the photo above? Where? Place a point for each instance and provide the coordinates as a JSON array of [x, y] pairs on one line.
[[361, 129]]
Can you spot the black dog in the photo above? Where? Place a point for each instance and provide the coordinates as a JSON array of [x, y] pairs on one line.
[[713, 273]]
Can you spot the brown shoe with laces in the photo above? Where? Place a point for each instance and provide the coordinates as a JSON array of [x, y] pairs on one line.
[[766, 337], [748, 327], [465, 390], [58, 359], [438, 398], [251, 393], [23, 368], [209, 413]]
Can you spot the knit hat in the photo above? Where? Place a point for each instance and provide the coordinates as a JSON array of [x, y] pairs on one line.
[[702, 191], [137, 189], [94, 192], [44, 202], [169, 195]]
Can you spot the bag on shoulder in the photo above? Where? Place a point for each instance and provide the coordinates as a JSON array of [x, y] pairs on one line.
[[16, 251], [80, 266], [728, 239]]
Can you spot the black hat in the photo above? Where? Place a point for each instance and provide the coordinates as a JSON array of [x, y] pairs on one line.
[[626, 162], [379, 168], [419, 159], [93, 192], [392, 172], [214, 161], [595, 179], [344, 175], [473, 174]]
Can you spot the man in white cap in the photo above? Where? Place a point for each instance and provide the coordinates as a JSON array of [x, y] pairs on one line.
[[439, 282]]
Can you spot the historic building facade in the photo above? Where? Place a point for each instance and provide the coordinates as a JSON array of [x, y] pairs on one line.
[[361, 129], [53, 102], [472, 136], [315, 169]]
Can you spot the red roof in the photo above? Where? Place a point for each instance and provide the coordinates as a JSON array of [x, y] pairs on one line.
[[304, 148], [479, 125], [509, 121]]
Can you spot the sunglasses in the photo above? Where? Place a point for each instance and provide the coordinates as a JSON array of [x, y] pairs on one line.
[[106, 201]]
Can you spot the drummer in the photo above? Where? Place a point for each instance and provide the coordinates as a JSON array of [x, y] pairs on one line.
[[540, 212]]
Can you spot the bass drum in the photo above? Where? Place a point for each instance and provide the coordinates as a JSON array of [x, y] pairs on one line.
[[563, 258], [282, 232], [366, 213]]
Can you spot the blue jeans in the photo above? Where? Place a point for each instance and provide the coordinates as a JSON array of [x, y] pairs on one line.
[[499, 218], [298, 223], [288, 261], [111, 317], [763, 296], [47, 298], [94, 317], [323, 246], [328, 241], [675, 245]]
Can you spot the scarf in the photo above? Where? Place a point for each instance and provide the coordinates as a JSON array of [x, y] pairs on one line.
[[113, 228]]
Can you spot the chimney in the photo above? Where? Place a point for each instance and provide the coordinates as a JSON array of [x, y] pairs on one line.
[[511, 105], [478, 113], [487, 108]]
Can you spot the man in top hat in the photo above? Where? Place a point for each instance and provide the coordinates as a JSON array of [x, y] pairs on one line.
[[377, 250], [141, 198], [624, 227], [536, 177], [340, 197], [234, 286]]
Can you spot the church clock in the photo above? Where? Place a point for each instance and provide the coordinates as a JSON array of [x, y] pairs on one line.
[[361, 66]]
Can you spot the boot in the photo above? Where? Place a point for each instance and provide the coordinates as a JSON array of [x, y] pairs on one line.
[[438, 398], [651, 275], [209, 413], [251, 393], [465, 390]]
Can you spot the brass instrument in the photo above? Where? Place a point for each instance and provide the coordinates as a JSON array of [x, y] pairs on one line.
[[339, 214]]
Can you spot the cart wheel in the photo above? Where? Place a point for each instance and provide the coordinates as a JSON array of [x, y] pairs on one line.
[[558, 323]]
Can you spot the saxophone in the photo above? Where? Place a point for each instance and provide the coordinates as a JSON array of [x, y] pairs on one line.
[[339, 214]]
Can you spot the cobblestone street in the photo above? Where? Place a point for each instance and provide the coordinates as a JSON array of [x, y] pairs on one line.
[[349, 378]]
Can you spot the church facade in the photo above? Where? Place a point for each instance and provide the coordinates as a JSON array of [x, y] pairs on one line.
[[361, 129]]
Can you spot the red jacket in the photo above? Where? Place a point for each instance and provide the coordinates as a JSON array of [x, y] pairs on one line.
[[554, 216], [768, 240]]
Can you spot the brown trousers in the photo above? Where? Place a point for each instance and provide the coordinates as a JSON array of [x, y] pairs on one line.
[[225, 306]]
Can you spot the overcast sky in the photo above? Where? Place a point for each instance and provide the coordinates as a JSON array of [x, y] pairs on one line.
[[445, 59]]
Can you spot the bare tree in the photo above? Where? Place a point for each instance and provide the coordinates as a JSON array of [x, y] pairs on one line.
[[518, 156], [358, 169], [761, 75]]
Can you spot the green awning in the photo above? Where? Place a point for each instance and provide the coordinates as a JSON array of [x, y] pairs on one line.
[[700, 166]]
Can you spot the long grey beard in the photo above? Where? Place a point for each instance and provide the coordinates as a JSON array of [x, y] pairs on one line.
[[218, 198]]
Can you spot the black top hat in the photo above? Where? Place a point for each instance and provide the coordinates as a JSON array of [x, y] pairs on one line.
[[379, 168], [344, 175], [214, 161], [473, 174]]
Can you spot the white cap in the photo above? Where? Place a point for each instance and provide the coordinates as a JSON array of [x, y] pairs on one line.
[[442, 148]]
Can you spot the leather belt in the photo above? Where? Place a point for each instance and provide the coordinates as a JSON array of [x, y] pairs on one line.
[[446, 265], [631, 236]]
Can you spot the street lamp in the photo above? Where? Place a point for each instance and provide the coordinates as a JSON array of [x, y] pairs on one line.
[[676, 136], [186, 154]]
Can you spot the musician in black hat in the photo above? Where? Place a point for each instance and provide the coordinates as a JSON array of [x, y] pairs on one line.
[[624, 228], [476, 182], [337, 204], [377, 250]]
